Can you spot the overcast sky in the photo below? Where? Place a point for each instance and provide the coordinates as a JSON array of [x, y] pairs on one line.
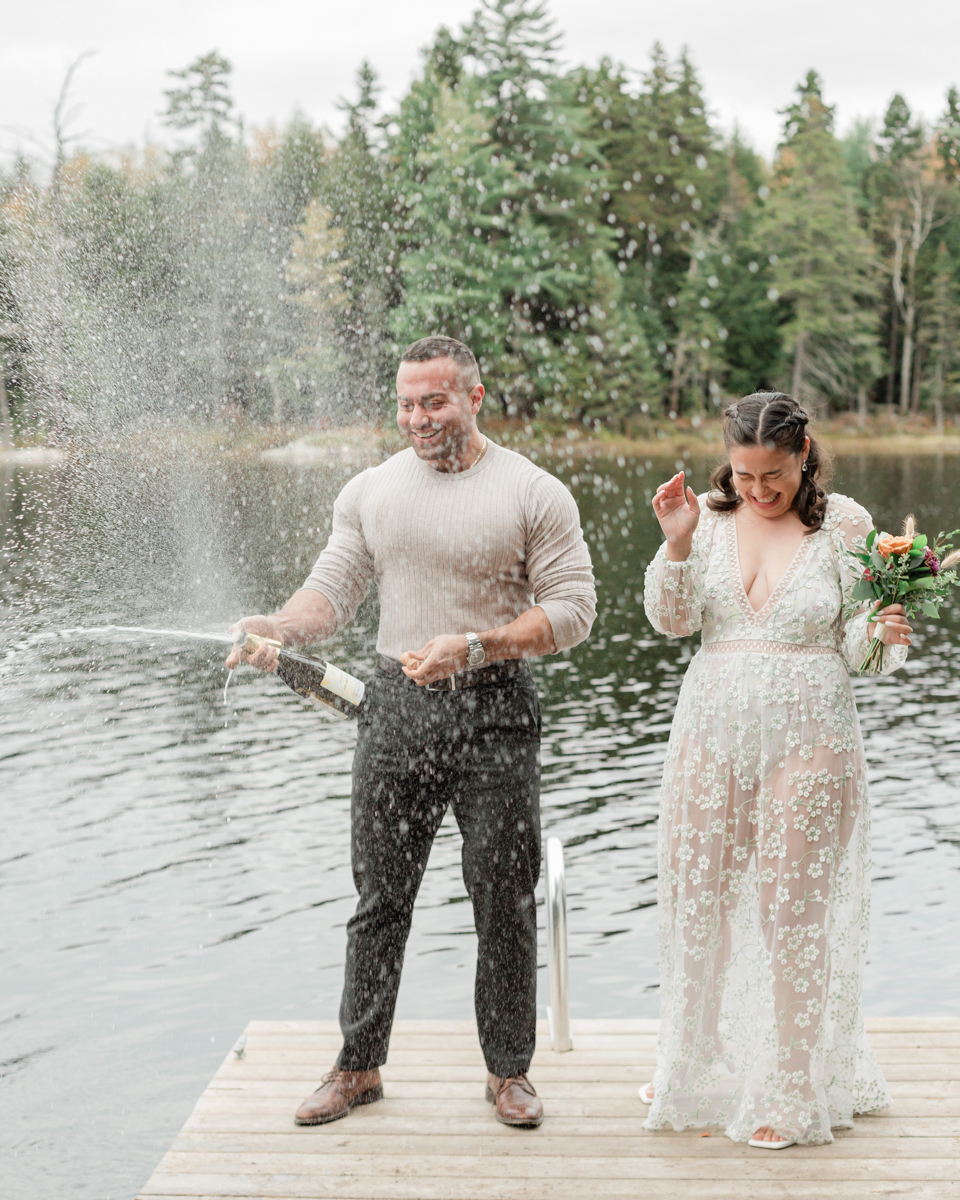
[[297, 54]]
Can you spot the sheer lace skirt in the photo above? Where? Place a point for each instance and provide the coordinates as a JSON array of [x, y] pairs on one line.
[[764, 901]]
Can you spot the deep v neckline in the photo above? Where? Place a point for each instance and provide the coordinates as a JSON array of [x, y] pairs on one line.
[[757, 616]]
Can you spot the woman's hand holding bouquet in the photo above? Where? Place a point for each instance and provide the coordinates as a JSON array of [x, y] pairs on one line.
[[904, 575]]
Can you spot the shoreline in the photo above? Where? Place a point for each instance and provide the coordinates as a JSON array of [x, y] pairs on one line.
[[364, 445], [697, 448]]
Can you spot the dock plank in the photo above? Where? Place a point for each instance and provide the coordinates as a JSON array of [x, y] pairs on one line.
[[296, 1188], [434, 1136], [450, 1166], [575, 1101], [544, 1145], [920, 1053]]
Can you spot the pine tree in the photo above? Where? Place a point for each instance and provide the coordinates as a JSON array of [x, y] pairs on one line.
[[315, 273], [503, 244], [203, 101], [948, 137], [611, 111], [698, 359], [208, 222], [752, 348], [682, 186], [291, 173], [663, 183], [356, 188], [941, 336], [900, 137], [859, 156], [821, 258], [912, 201]]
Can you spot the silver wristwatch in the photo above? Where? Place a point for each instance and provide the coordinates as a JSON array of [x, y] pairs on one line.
[[475, 654]]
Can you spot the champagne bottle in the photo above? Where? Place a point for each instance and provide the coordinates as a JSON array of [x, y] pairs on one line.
[[320, 682]]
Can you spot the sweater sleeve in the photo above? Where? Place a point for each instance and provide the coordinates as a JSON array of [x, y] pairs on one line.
[[345, 567], [558, 562]]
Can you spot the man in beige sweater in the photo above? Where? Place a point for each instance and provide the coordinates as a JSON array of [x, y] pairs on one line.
[[480, 564]]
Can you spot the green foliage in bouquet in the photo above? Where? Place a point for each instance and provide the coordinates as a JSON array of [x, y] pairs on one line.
[[905, 570]]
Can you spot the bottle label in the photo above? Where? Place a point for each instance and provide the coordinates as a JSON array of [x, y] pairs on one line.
[[343, 685]]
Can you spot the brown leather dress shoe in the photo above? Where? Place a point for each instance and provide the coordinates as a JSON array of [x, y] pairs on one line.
[[338, 1093], [515, 1100]]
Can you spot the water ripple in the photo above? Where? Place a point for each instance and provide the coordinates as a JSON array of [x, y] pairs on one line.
[[174, 866]]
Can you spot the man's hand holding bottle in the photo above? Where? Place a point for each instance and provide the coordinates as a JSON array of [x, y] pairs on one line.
[[264, 657]]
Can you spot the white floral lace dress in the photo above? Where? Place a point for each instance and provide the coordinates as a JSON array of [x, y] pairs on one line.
[[764, 861]]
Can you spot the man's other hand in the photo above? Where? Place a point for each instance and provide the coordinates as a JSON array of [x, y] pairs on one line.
[[439, 659], [264, 658]]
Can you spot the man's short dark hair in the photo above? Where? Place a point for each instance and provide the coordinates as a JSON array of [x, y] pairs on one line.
[[445, 347]]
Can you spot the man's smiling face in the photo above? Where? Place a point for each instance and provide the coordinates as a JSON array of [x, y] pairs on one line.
[[436, 408]]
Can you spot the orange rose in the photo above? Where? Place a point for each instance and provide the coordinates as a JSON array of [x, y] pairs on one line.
[[888, 545]]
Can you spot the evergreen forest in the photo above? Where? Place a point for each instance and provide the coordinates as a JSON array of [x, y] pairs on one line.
[[610, 255]]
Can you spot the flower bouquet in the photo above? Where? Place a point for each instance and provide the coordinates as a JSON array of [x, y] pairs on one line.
[[903, 570]]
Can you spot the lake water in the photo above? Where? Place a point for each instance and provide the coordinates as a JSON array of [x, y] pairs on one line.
[[174, 866]]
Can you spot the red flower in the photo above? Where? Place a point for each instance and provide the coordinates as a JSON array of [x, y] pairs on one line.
[[868, 575]]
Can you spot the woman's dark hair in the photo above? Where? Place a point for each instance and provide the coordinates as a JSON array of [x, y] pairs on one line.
[[773, 420]]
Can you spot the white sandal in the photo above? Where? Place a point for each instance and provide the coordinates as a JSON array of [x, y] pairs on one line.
[[759, 1144], [646, 1094]]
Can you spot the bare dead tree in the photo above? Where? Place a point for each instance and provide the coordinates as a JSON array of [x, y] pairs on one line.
[[62, 118], [919, 210]]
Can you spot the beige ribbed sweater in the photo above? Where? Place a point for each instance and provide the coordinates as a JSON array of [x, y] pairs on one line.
[[458, 552]]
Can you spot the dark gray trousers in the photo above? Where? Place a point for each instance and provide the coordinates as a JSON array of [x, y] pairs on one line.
[[418, 752]]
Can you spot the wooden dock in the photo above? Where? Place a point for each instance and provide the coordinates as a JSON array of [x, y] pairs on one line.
[[434, 1137]]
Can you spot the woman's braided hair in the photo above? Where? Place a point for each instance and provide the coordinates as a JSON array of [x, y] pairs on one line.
[[774, 420]]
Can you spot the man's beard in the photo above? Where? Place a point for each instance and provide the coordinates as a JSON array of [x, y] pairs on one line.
[[447, 443]]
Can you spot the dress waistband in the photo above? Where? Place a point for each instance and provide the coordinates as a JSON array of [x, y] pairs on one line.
[[761, 647]]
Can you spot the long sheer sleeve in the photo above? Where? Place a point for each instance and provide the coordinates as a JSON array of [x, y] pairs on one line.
[[849, 521], [673, 591]]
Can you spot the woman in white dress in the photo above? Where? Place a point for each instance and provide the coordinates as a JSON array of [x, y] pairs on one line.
[[764, 859]]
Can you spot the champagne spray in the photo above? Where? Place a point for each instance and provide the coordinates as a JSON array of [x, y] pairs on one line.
[[320, 682]]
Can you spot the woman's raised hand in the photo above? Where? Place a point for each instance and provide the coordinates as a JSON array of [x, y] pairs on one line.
[[678, 512]]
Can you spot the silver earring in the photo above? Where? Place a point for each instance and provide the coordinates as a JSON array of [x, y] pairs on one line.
[[804, 467]]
